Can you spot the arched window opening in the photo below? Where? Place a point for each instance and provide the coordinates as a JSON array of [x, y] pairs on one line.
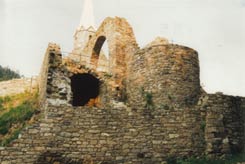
[[100, 54], [85, 87], [98, 45]]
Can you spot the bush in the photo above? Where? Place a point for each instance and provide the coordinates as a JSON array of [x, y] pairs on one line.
[[148, 99], [4, 130], [14, 136]]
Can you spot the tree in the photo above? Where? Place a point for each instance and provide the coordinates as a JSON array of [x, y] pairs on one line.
[[8, 74]]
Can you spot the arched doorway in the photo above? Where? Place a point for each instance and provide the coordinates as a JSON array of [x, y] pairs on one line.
[[84, 88]]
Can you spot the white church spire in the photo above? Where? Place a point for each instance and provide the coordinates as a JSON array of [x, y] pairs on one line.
[[86, 28], [87, 19]]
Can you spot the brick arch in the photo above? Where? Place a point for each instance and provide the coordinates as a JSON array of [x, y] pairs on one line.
[[121, 45]]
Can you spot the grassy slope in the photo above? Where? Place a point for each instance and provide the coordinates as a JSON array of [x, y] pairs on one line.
[[15, 113]]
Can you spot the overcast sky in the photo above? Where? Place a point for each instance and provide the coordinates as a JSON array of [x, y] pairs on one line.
[[215, 28]]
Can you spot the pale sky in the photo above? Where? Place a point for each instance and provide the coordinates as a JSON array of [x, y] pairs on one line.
[[215, 28]]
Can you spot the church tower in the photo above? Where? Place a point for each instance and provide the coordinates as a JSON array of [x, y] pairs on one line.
[[86, 28]]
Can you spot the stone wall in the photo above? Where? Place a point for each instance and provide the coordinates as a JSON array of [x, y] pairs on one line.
[[116, 135], [243, 119], [121, 41], [122, 44], [224, 124], [52, 51], [167, 75], [121, 134], [151, 108], [56, 80]]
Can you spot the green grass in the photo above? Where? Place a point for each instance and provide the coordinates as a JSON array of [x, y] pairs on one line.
[[12, 137], [1, 104], [4, 100], [15, 115]]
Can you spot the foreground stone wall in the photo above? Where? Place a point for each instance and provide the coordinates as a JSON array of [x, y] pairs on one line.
[[125, 135], [116, 135]]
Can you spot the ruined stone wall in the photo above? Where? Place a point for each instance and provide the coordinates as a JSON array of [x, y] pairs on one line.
[[58, 72], [125, 135], [243, 119], [118, 135], [224, 124], [166, 113], [163, 76], [58, 81], [121, 43], [121, 46], [52, 51], [32, 141]]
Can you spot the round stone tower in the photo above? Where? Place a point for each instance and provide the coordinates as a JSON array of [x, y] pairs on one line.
[[163, 76]]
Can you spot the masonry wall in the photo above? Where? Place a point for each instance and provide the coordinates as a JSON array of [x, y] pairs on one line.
[[243, 120], [52, 59], [58, 90], [125, 135], [167, 75], [166, 114], [113, 135], [57, 78], [224, 124], [121, 46]]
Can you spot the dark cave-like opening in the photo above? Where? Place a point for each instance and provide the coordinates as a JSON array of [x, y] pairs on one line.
[[84, 87]]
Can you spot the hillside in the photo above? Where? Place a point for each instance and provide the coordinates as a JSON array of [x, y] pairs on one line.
[[8, 74], [18, 104], [16, 112], [17, 86]]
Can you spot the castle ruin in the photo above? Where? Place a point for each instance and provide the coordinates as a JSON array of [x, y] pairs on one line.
[[136, 105]]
